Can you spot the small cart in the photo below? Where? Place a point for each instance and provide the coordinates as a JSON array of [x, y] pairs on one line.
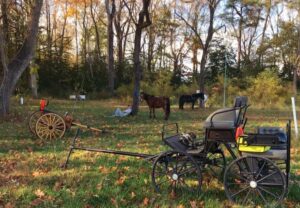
[[46, 124]]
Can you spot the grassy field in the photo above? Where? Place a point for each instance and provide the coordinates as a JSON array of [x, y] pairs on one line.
[[30, 173]]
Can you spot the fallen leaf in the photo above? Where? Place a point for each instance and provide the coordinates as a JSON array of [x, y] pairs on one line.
[[9, 205], [103, 170], [180, 206], [36, 202], [121, 159], [172, 194], [29, 149], [39, 193], [114, 201], [99, 186], [132, 194], [146, 201], [121, 180], [201, 204], [38, 173], [58, 186], [193, 204], [119, 145]]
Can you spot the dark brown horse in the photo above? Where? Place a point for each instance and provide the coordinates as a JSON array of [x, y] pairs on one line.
[[157, 102]]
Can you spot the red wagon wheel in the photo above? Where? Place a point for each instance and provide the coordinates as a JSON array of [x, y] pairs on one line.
[[50, 126]]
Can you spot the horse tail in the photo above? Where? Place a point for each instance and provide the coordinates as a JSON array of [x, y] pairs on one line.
[[167, 108]]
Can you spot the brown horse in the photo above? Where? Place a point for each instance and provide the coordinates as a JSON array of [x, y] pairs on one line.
[[157, 102]]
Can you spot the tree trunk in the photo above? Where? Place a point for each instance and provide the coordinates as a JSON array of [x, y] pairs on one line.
[[61, 47], [297, 68], [34, 85], [96, 31], [144, 14], [14, 69], [260, 56], [137, 70], [49, 33], [84, 41], [150, 49], [212, 8], [5, 22], [295, 77], [119, 34], [239, 51], [110, 10]]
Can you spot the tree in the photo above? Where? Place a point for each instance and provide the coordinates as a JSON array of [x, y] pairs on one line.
[[210, 30], [142, 22], [14, 68], [111, 11], [219, 56]]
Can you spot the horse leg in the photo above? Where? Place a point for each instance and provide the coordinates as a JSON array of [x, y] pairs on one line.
[[154, 113], [150, 111], [180, 103], [193, 103]]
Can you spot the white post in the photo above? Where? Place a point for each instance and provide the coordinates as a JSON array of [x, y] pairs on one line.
[[21, 100], [295, 116]]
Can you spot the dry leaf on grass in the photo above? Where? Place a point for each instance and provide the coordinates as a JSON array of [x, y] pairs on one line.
[[193, 204], [121, 180], [172, 194], [114, 202], [146, 201], [58, 186], [9, 205], [103, 170], [39, 193], [36, 202], [99, 186]]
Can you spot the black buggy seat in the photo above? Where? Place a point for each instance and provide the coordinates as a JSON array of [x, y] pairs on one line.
[[221, 125]]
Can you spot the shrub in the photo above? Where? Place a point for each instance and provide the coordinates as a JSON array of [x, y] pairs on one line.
[[266, 90]]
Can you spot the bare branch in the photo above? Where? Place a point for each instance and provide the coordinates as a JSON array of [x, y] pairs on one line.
[[130, 12], [192, 28]]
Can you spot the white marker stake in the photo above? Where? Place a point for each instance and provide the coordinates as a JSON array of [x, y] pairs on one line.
[[21, 100], [295, 116]]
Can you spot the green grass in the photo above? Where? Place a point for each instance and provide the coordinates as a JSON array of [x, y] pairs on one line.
[[30, 173]]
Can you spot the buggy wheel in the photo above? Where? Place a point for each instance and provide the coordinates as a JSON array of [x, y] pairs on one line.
[[254, 180], [50, 126], [216, 164], [176, 172], [33, 119]]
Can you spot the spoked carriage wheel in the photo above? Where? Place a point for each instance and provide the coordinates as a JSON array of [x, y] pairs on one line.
[[50, 126], [216, 164], [176, 172], [254, 180], [33, 119]]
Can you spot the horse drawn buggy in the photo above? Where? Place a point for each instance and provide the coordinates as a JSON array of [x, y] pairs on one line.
[[258, 172]]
